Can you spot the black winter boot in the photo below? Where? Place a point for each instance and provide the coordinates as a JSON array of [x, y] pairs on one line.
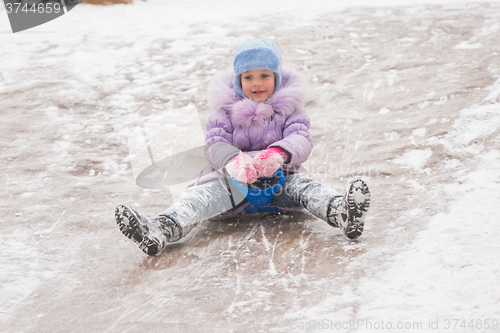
[[348, 212], [151, 234]]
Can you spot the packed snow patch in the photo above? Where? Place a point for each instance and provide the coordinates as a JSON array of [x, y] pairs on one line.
[[414, 159], [454, 260], [450, 270], [468, 46]]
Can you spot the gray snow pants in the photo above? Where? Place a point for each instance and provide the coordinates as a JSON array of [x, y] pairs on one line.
[[212, 199]]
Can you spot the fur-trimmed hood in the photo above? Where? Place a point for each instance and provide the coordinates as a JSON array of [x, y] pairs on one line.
[[244, 112]]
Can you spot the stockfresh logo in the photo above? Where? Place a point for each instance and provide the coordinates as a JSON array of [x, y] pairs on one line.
[[26, 14]]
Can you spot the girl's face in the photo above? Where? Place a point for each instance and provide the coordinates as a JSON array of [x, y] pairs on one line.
[[258, 84]]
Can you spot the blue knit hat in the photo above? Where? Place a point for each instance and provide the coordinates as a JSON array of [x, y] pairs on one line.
[[256, 54]]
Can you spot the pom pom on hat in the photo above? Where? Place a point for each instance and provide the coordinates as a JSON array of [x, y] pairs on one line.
[[256, 54]]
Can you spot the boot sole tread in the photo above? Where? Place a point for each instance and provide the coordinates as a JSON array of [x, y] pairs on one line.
[[358, 189], [131, 230]]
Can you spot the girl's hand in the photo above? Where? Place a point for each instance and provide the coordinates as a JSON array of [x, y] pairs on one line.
[[241, 167], [267, 161]]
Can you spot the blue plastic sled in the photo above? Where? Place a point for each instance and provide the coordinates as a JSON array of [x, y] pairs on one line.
[[260, 200]]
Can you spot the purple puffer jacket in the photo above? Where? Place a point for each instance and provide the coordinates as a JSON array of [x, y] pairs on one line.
[[239, 124]]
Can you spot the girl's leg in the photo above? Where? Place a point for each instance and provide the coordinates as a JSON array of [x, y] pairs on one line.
[[195, 205], [344, 211], [302, 190], [203, 202]]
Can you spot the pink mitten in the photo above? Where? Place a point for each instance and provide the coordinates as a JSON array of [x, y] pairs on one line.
[[242, 169], [267, 161]]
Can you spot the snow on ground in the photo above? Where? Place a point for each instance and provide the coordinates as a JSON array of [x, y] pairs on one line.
[[405, 94]]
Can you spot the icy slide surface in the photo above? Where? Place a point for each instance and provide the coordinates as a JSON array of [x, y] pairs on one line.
[[407, 97]]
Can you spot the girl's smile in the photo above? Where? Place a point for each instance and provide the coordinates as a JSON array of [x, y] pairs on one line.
[[258, 84]]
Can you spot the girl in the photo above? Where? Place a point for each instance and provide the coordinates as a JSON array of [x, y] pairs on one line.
[[258, 125]]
